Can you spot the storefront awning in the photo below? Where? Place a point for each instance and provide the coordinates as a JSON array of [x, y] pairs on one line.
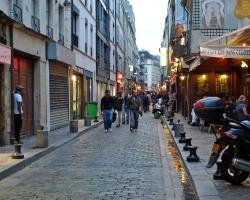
[[195, 63], [232, 45]]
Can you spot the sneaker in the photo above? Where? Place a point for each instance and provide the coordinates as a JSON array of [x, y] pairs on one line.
[[106, 131], [110, 130], [131, 130], [135, 129]]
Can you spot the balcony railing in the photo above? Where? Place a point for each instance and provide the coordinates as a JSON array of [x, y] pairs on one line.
[[61, 39], [35, 23], [75, 39], [17, 13], [50, 32]]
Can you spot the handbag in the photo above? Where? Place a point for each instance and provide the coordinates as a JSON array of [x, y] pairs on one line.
[[114, 117]]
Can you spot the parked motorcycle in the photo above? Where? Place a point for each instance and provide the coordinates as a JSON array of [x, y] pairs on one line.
[[233, 145], [158, 109], [232, 142]]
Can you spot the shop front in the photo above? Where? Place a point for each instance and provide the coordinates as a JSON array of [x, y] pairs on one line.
[[77, 98], [5, 61], [222, 68], [23, 70], [119, 81], [60, 61]]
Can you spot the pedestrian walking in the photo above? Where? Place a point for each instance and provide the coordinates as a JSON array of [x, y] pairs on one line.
[[18, 111], [107, 104], [125, 112], [118, 108], [134, 105]]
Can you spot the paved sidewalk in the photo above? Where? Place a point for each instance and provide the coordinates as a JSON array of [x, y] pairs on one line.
[[56, 139], [206, 187]]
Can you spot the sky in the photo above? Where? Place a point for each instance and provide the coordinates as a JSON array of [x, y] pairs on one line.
[[149, 21]]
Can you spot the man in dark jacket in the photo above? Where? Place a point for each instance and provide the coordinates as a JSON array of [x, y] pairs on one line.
[[118, 108], [134, 105], [107, 104]]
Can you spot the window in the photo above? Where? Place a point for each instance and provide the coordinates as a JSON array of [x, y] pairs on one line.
[[61, 25], [86, 3], [202, 86], [89, 89], [222, 84], [86, 35], [91, 6], [91, 39]]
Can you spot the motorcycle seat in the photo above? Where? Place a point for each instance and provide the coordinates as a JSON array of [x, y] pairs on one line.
[[246, 123], [234, 131]]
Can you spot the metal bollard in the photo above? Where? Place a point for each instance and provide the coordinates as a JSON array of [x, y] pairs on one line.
[[187, 144], [218, 175], [183, 136], [193, 156], [17, 154]]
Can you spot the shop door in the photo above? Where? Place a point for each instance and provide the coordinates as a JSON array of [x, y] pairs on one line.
[[59, 96], [23, 75]]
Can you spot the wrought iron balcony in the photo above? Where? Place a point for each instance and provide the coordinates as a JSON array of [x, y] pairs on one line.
[[17, 13], [50, 32], [35, 23], [75, 40], [61, 39]]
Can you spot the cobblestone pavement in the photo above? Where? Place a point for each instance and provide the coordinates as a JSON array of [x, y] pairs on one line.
[[118, 165]]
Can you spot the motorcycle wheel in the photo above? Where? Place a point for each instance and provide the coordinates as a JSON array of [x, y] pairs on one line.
[[230, 173]]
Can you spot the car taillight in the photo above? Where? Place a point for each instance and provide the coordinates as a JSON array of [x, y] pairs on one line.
[[199, 105]]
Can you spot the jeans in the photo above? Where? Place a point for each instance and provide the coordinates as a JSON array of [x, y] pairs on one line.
[[118, 120], [108, 117], [125, 115], [18, 126], [134, 115]]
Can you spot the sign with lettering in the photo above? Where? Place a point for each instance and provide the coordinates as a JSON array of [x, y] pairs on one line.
[[5, 54], [225, 52], [78, 69]]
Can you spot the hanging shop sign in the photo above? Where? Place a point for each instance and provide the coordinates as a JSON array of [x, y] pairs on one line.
[[225, 52], [119, 77], [5, 54]]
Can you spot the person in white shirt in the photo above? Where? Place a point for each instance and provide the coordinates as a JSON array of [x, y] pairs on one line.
[[18, 111]]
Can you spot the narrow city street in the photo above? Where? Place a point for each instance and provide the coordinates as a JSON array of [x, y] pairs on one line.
[[97, 165]]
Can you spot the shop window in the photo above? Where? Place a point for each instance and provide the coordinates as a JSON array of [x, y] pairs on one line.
[[222, 84], [202, 87], [77, 95]]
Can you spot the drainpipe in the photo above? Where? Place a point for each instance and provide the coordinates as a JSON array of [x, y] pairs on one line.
[[11, 69], [116, 56]]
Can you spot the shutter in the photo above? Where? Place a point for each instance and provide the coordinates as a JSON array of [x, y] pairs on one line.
[[59, 96]]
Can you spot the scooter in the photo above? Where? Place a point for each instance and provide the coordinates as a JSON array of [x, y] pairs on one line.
[[232, 145]]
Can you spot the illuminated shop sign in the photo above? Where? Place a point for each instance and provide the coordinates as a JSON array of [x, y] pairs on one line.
[[5, 54], [225, 52]]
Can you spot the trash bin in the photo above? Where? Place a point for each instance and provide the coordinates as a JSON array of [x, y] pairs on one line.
[[92, 109]]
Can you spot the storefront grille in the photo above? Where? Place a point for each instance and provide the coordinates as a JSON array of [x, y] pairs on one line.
[[196, 14]]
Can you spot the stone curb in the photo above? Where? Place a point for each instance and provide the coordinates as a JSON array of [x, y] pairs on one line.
[[25, 162], [204, 188]]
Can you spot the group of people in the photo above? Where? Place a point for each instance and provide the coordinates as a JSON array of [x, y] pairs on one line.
[[238, 109], [127, 108]]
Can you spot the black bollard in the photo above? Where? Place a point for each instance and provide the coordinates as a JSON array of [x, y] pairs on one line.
[[182, 138], [17, 154], [187, 144], [171, 122], [193, 156], [170, 119], [96, 119], [218, 175]]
